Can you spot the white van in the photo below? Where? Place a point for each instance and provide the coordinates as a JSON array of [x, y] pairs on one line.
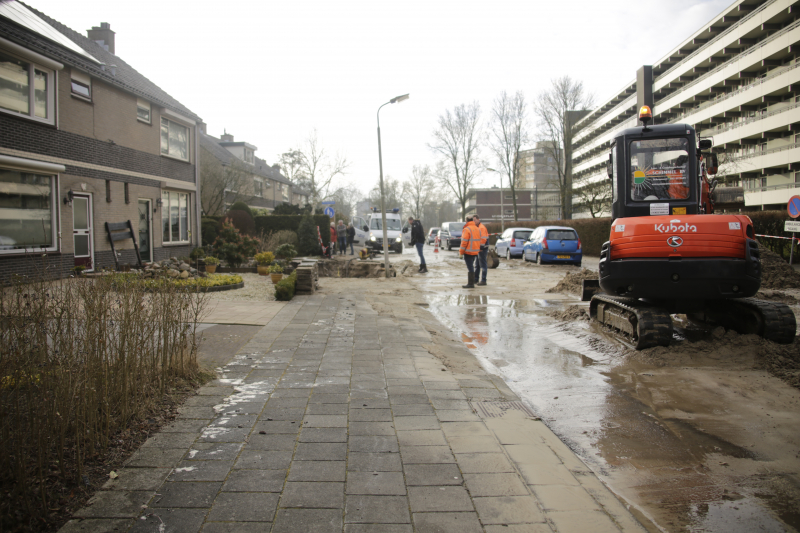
[[369, 231]]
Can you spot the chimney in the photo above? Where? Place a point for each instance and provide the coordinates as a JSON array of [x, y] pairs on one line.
[[227, 137], [102, 36]]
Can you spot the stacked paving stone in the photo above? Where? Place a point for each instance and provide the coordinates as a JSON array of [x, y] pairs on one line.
[[307, 277]]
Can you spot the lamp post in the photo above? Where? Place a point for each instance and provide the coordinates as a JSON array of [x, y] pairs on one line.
[[395, 100], [502, 209]]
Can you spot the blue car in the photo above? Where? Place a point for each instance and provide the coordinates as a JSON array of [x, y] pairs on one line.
[[510, 243], [553, 244]]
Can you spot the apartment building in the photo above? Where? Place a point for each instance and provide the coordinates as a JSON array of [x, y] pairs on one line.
[[537, 167], [86, 139], [230, 171], [736, 80]]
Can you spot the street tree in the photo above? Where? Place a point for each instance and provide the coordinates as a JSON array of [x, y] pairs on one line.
[[508, 132], [594, 196], [222, 184], [457, 140], [418, 190], [311, 167], [557, 109], [392, 193], [346, 198]]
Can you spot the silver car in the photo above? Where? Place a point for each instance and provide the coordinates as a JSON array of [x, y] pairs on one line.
[[432, 233]]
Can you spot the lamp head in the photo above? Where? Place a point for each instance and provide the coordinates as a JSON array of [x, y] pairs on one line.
[[398, 99]]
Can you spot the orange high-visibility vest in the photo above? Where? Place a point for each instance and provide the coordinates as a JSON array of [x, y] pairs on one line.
[[471, 239], [484, 234]]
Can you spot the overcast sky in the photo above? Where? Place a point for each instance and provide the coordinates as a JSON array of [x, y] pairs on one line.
[[270, 72]]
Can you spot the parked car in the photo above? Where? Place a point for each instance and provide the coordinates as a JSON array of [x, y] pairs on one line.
[[450, 234], [432, 233], [554, 244], [510, 243]]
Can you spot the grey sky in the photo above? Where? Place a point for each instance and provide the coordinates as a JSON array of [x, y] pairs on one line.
[[269, 72]]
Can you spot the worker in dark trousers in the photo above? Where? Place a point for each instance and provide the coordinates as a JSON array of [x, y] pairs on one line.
[[483, 266], [470, 246], [418, 240]]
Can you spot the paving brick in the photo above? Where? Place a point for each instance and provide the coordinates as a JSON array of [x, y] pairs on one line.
[[244, 507], [172, 520], [323, 435], [214, 451], [186, 494], [421, 437], [509, 510], [372, 428], [327, 409], [374, 444], [263, 460], [313, 495], [581, 521], [317, 471], [374, 462], [308, 521], [321, 451], [495, 485], [378, 528], [137, 479], [255, 481], [447, 522], [564, 498], [325, 421], [406, 423], [376, 483], [236, 527], [456, 415], [279, 442], [439, 499], [201, 471], [377, 510], [543, 474], [476, 444], [446, 474], [427, 454], [115, 504], [97, 525], [370, 415], [483, 463], [417, 409]]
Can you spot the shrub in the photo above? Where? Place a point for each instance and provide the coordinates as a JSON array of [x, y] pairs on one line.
[[264, 258], [197, 253], [284, 289], [209, 228], [241, 206], [242, 220], [276, 269], [275, 223], [307, 240], [232, 246], [211, 260], [286, 251]]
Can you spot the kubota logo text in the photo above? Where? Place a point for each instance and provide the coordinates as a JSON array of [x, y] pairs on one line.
[[675, 226]]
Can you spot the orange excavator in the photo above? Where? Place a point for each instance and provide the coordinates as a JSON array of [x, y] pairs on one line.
[[668, 252]]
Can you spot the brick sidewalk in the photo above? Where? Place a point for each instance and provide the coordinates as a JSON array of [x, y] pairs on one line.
[[324, 423]]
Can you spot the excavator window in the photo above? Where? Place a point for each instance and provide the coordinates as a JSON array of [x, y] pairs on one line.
[[659, 169]]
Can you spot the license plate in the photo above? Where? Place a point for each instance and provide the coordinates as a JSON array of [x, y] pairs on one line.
[[564, 257]]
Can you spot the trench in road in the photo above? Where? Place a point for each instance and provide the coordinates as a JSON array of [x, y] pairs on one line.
[[682, 472]]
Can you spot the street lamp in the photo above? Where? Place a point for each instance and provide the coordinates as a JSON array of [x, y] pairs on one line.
[[395, 100], [502, 210]]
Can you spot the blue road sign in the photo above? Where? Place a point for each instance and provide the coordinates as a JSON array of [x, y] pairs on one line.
[[330, 212], [794, 207], [329, 202]]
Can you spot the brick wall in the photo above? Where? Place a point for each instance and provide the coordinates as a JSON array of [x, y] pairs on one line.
[[33, 265]]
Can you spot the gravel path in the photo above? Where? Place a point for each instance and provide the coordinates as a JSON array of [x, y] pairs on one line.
[[256, 288]]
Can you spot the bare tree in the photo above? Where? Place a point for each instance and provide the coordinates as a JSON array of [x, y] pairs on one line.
[[312, 168], [221, 185], [508, 131], [418, 190], [557, 109], [595, 196], [346, 199], [392, 193], [457, 140]]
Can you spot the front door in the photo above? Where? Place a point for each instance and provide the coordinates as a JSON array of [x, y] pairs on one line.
[[145, 248], [82, 237]]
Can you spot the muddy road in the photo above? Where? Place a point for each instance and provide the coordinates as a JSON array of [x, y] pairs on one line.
[[694, 437]]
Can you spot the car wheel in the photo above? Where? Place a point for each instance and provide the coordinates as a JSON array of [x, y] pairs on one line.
[[508, 254], [539, 259]]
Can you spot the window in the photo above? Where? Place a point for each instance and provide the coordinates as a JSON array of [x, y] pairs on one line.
[[81, 84], [561, 235], [174, 139], [659, 169], [258, 187], [27, 210], [797, 177], [175, 217], [26, 89], [285, 192], [143, 111], [248, 156]]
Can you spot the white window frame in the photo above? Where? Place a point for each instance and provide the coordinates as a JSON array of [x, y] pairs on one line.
[[166, 199], [188, 141], [81, 79], [54, 220], [144, 104], [258, 186], [52, 88]]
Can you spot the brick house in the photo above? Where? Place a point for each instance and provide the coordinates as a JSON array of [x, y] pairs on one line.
[[85, 139], [226, 163]]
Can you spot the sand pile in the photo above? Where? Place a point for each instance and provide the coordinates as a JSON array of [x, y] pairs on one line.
[[776, 273], [570, 313], [573, 281]]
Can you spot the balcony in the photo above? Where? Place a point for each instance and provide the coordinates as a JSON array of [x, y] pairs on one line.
[[771, 194]]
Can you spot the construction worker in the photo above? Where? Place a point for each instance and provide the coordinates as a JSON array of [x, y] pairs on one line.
[[484, 250], [470, 246]]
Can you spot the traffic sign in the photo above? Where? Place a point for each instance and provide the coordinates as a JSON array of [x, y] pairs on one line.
[[793, 207], [330, 212], [792, 226], [329, 202]]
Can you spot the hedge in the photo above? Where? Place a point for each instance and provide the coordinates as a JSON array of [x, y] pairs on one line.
[[284, 289], [271, 223], [593, 232]]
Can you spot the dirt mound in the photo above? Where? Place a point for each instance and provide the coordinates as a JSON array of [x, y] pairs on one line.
[[782, 361], [573, 281], [776, 273], [570, 313], [776, 296], [353, 268]]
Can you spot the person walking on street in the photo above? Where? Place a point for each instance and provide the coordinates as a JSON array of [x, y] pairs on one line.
[[351, 236], [418, 240], [470, 246], [333, 237], [341, 231], [484, 250]]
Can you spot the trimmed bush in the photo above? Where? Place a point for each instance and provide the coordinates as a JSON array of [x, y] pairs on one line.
[[242, 220], [241, 206], [307, 241], [209, 228], [275, 223], [284, 289], [232, 246], [593, 232], [286, 251]]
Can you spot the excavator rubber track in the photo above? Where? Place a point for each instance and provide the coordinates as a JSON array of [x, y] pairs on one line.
[[640, 324], [772, 320]]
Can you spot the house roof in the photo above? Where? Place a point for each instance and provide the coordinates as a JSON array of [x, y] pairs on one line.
[[126, 77], [260, 168]]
